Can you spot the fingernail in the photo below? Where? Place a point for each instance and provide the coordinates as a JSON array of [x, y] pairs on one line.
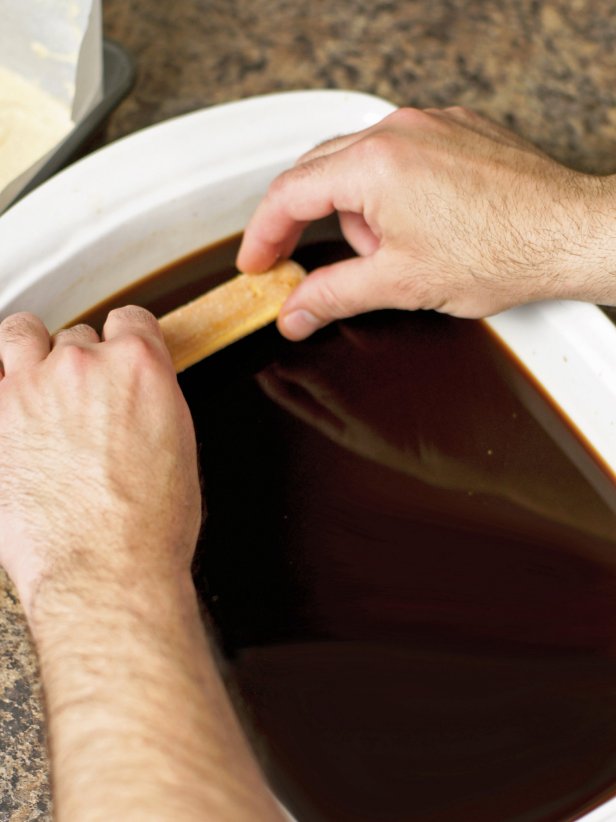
[[299, 324]]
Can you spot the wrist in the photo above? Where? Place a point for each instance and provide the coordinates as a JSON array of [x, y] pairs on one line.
[[83, 606], [591, 253]]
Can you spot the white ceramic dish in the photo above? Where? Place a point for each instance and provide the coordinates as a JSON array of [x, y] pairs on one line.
[[157, 195]]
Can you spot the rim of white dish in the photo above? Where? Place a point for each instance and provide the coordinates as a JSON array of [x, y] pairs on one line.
[[67, 212], [99, 196]]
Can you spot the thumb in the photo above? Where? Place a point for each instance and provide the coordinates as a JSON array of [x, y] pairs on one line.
[[331, 293]]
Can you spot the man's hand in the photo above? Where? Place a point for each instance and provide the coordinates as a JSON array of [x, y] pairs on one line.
[[98, 470], [99, 516], [446, 210]]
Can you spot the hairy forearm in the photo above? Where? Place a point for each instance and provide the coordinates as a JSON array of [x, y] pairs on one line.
[[140, 724], [588, 257], [100, 508]]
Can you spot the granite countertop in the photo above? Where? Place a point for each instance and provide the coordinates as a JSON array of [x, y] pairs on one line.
[[546, 69]]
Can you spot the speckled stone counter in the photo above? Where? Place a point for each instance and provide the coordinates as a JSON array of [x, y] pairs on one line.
[[546, 69]]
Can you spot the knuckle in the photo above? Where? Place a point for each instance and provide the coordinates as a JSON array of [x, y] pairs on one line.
[[137, 347], [62, 334], [80, 330], [141, 354], [19, 327], [279, 184], [384, 148], [299, 173], [461, 112], [378, 151], [408, 117], [133, 313], [318, 149], [71, 359]]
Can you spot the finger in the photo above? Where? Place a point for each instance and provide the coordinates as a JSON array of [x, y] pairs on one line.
[[81, 334], [131, 319], [24, 342], [304, 193], [331, 293], [344, 141], [290, 243], [331, 146], [257, 255], [358, 233], [135, 321]]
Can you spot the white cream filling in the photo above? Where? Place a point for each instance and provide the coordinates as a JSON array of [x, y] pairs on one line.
[[32, 122]]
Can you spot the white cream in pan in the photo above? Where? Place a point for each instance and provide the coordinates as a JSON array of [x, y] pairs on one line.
[[32, 122]]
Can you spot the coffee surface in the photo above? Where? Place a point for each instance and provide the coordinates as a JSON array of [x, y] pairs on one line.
[[410, 563]]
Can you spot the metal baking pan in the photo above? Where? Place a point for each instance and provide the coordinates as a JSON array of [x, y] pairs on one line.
[[118, 79]]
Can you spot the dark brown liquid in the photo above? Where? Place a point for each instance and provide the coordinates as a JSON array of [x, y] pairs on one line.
[[411, 563]]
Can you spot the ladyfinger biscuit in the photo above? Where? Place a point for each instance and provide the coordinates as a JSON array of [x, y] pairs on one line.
[[227, 313]]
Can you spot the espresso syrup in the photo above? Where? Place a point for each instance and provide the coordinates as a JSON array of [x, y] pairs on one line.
[[410, 563]]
